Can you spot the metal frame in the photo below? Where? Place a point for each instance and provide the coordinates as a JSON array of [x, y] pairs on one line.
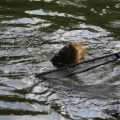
[[73, 65]]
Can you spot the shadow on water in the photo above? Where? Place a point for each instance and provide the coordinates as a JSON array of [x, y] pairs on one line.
[[31, 33]]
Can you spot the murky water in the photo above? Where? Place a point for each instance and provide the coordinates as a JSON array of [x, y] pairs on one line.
[[31, 32]]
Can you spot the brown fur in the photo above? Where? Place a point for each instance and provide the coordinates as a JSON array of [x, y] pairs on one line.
[[69, 54]]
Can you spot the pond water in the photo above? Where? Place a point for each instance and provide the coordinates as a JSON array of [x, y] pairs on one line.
[[31, 33]]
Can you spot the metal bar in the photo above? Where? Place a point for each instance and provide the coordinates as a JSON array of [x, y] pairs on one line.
[[73, 65], [90, 68]]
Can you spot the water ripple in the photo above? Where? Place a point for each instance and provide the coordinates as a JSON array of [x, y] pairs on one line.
[[50, 13], [31, 33]]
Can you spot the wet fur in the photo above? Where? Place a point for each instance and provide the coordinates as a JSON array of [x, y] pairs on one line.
[[68, 55]]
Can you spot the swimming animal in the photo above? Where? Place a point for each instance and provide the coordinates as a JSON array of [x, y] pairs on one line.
[[69, 54]]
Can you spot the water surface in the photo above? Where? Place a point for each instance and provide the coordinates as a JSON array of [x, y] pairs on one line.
[[31, 33]]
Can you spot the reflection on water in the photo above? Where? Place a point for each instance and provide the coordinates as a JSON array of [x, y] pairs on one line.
[[32, 31]]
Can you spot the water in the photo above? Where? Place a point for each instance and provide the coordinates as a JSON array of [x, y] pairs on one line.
[[31, 32]]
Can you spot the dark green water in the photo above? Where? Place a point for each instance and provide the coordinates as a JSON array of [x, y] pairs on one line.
[[31, 32]]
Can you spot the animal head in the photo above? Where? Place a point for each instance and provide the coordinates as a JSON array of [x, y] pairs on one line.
[[79, 51], [69, 54]]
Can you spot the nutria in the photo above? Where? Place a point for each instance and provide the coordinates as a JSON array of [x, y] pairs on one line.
[[70, 54]]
